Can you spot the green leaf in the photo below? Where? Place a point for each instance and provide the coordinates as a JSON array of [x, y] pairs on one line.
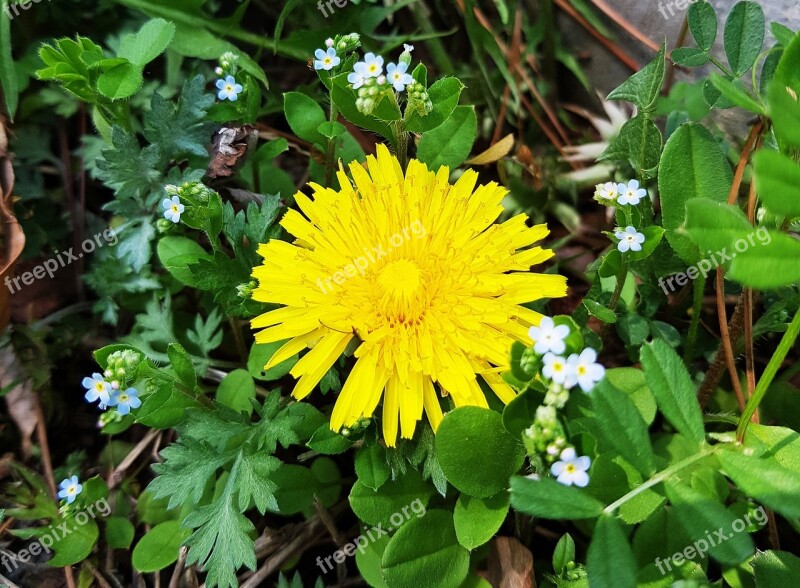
[[329, 480], [643, 87], [703, 24], [425, 548], [672, 386], [8, 73], [475, 452], [770, 263], [176, 254], [294, 489], [699, 515], [692, 166], [159, 547], [780, 443], [713, 227], [329, 442], [563, 554], [369, 559], [689, 56], [119, 532], [221, 543], [623, 426], [548, 499], [76, 546], [610, 562], [181, 129], [783, 34], [519, 413], [765, 480], [775, 569], [122, 81], [148, 43], [371, 466], [444, 95], [734, 92], [652, 238], [450, 143], [744, 36], [638, 143], [331, 130], [778, 182], [260, 354], [478, 519], [304, 116], [632, 381], [613, 477], [599, 311], [375, 507], [182, 364], [236, 390], [344, 98]]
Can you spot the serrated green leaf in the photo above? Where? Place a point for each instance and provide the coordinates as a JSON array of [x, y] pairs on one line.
[[672, 386]]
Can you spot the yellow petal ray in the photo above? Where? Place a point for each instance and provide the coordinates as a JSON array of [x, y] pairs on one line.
[[314, 364]]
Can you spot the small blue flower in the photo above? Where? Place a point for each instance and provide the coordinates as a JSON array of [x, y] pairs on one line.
[[97, 389], [371, 67], [357, 80], [397, 76], [326, 60], [125, 401], [630, 193], [173, 208], [69, 489], [229, 89]]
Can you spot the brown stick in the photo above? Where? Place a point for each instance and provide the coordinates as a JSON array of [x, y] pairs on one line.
[[727, 347], [717, 367], [626, 59], [623, 22]]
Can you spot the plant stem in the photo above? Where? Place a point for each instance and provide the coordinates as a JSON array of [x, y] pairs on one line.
[[660, 477], [402, 145], [699, 287], [330, 155], [788, 340]]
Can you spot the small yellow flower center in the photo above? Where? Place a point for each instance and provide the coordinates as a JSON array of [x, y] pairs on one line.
[[71, 490], [558, 367], [174, 208], [99, 386], [373, 68], [581, 370], [123, 398], [570, 469], [327, 60]]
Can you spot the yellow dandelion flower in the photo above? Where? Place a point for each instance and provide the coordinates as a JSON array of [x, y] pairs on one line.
[[416, 271]]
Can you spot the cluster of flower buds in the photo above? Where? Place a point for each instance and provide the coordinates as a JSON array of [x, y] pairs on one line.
[[418, 99], [546, 436], [228, 64]]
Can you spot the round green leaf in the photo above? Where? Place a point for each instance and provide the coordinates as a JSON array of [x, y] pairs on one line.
[[425, 548], [176, 254], [159, 548], [477, 519], [260, 354], [236, 390], [119, 532], [476, 453], [376, 507]]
